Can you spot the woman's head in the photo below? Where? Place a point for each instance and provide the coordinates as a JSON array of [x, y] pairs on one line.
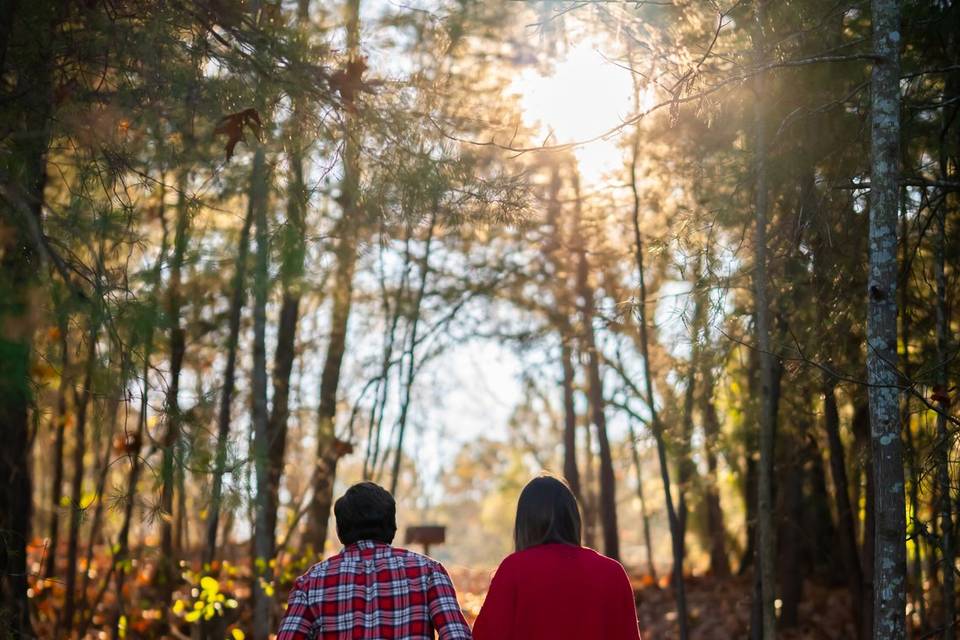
[[546, 512]]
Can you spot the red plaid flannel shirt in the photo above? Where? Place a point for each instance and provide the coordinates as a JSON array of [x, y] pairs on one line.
[[372, 591]]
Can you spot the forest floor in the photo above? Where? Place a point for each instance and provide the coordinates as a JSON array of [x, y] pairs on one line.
[[719, 608]]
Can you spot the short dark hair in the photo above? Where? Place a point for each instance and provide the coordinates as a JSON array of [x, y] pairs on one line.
[[547, 511], [366, 511]]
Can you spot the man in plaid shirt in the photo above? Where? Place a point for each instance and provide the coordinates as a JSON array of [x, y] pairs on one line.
[[370, 590]]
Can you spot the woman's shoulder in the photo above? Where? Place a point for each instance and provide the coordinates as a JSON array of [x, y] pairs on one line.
[[551, 550]]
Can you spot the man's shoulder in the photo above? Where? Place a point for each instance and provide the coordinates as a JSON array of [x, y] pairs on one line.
[[336, 563], [414, 559]]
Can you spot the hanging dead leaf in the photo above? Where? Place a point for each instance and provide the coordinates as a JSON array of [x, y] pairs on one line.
[[349, 81], [941, 395], [233, 125]]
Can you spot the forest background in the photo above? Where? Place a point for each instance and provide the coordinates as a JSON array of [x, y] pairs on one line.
[[698, 258]]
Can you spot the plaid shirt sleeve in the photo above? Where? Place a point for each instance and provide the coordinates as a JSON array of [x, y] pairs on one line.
[[445, 611], [298, 621]]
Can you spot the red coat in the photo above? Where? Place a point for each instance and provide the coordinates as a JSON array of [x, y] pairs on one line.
[[558, 592]]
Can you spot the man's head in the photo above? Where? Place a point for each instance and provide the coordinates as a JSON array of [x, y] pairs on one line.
[[366, 511]]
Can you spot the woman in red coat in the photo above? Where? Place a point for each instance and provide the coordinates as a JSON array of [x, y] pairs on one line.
[[551, 588]]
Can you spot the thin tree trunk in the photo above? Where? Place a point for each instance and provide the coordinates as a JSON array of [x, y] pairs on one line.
[[291, 275], [237, 298], [87, 609], [791, 538], [684, 464], [371, 458], [132, 445], [676, 535], [861, 430], [887, 450], [167, 566], [329, 449], [944, 437], [82, 404], [571, 471], [750, 464], [589, 489], [608, 499], [845, 515], [719, 560], [262, 537], [915, 526], [766, 545], [411, 354], [686, 470], [555, 260], [60, 421], [644, 516]]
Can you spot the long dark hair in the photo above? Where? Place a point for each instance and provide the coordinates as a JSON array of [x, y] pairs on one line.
[[547, 511]]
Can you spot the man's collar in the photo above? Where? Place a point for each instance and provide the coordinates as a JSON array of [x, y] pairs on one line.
[[364, 547]]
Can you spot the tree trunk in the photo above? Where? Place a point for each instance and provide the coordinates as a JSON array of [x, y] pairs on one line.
[[686, 471], [845, 516], [571, 471], [103, 464], [556, 271], [916, 526], [676, 535], [20, 262], [291, 276], [411, 354], [133, 444], [262, 538], [327, 458], [167, 570], [371, 458], [82, 404], [890, 560], [60, 421], [329, 449], [645, 517], [765, 528], [237, 298], [791, 527], [608, 499], [719, 560], [944, 445]]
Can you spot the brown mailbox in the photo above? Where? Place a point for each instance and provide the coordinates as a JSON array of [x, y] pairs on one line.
[[426, 535]]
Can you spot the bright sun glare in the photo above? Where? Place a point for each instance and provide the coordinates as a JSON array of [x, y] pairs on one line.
[[581, 97]]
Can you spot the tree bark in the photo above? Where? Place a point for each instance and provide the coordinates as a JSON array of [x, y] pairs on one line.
[[329, 449], [411, 354], [887, 450], [259, 416], [20, 265], [644, 516], [608, 499], [167, 569], [237, 298], [571, 472], [766, 545], [558, 271], [60, 422], [915, 525], [845, 514], [719, 560], [676, 535], [82, 404], [791, 527], [944, 443]]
